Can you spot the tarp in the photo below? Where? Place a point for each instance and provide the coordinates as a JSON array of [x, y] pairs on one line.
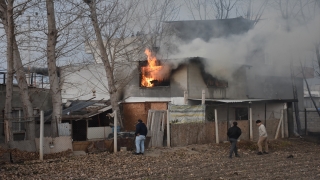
[[186, 113]]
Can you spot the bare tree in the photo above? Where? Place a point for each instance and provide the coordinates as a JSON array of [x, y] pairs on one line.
[[52, 67], [113, 33], [211, 9], [9, 81], [18, 67], [253, 10], [156, 13]]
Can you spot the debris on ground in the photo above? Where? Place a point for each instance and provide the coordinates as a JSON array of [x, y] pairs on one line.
[[205, 161]]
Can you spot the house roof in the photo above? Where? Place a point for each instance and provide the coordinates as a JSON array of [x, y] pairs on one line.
[[77, 105]]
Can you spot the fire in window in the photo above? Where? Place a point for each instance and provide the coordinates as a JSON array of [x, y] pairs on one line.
[[153, 73]]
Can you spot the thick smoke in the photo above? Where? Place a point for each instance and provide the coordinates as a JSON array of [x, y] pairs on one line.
[[281, 41]]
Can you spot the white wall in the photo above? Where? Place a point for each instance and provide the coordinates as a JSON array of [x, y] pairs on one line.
[[79, 81], [98, 132], [62, 143]]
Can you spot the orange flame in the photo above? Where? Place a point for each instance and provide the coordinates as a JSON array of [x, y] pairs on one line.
[[150, 73]]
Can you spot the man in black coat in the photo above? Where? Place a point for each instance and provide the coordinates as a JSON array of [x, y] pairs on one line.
[[141, 133], [234, 133]]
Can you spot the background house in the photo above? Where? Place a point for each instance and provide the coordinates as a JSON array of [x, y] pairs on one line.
[[41, 100]]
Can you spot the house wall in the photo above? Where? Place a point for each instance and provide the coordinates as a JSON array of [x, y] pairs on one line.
[[313, 125], [309, 104], [79, 81], [273, 82], [236, 85], [40, 98], [273, 115], [134, 111]]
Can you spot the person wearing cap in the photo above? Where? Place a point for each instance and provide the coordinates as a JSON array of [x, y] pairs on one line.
[[234, 133], [263, 136], [141, 132]]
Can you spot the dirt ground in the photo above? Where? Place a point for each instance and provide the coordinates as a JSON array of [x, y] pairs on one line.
[[288, 159]]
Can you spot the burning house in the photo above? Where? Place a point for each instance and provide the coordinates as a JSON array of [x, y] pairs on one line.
[[242, 92], [254, 89]]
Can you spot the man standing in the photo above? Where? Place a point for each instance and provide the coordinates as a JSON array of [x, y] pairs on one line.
[[263, 136], [234, 133], [141, 132]]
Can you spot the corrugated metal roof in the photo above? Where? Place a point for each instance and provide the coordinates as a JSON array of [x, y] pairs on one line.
[[76, 106], [105, 109]]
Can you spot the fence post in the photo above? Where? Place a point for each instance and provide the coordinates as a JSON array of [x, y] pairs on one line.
[[251, 132], [185, 96], [203, 97], [115, 131], [285, 120], [41, 135], [305, 121], [168, 129], [282, 124], [216, 125]]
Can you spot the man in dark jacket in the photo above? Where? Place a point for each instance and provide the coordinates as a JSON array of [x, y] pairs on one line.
[[234, 133], [141, 133]]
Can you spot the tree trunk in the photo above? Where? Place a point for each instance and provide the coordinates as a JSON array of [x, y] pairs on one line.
[[20, 74], [24, 92], [52, 68], [318, 53], [295, 104], [113, 91], [9, 81]]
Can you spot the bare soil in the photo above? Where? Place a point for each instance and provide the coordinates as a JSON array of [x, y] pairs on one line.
[[288, 159]]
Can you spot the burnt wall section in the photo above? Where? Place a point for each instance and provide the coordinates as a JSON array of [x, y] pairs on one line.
[[176, 88]]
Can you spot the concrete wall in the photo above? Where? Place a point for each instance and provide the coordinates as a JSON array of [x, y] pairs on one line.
[[98, 132], [62, 143], [40, 99], [46, 130], [309, 104], [28, 145], [313, 122]]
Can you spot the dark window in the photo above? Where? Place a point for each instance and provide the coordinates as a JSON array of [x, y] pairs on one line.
[[241, 113]]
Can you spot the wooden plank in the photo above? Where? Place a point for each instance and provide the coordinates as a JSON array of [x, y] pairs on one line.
[[278, 128], [156, 124]]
